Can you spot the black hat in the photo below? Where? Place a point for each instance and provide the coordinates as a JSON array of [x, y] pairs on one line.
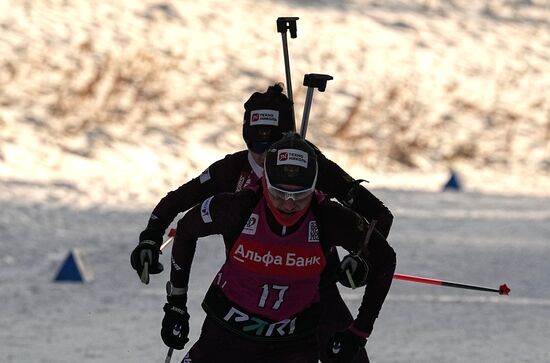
[[267, 115], [291, 161]]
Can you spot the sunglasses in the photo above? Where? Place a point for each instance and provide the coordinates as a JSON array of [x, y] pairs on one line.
[[283, 194]]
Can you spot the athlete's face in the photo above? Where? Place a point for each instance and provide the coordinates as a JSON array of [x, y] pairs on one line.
[[289, 206]]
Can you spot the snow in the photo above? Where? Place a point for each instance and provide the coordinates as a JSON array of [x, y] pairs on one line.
[[106, 106], [463, 237]]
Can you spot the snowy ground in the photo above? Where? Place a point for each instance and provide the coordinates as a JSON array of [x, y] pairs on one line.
[[463, 237]]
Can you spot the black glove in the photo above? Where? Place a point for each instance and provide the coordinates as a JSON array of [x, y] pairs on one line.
[[344, 345], [175, 324], [146, 251], [353, 268]]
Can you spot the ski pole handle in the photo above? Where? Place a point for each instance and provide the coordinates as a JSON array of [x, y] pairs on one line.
[[145, 273], [169, 355]]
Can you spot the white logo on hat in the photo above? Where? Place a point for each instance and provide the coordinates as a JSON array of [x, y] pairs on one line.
[[264, 117], [292, 157]]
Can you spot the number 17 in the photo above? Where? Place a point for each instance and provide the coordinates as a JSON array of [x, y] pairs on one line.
[[265, 294]]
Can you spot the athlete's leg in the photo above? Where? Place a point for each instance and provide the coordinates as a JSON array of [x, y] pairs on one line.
[[217, 344], [300, 351]]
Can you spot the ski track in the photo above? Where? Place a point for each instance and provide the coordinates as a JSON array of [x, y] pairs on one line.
[[115, 318]]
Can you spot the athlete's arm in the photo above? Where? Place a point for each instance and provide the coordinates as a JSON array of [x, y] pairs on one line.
[[219, 177], [223, 214], [345, 228], [336, 183]]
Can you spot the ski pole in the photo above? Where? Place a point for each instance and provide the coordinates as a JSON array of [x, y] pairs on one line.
[[502, 290], [312, 81], [171, 235], [145, 273], [169, 355], [284, 24]]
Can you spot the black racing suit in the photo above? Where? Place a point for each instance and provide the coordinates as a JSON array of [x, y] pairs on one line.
[[337, 226], [229, 175]]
